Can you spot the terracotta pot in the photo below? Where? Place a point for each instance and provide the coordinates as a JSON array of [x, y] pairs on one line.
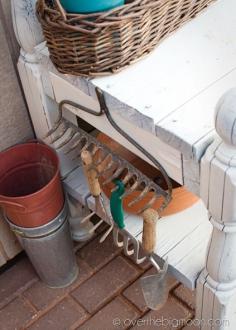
[[30, 187]]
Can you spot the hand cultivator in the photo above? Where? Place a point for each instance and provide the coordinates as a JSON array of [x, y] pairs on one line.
[[105, 169]]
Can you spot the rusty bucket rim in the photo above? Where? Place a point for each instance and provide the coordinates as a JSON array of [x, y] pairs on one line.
[[43, 230], [55, 175]]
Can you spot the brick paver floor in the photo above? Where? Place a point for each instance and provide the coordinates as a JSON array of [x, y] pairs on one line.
[[106, 295]]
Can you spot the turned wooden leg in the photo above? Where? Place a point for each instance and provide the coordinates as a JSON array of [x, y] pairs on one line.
[[216, 286]]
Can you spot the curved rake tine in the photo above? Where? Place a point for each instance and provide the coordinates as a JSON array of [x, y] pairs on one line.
[[140, 197], [106, 234], [77, 143], [132, 188], [81, 150], [149, 204], [94, 149], [95, 227], [107, 168], [74, 145], [117, 243], [88, 217], [118, 171], [127, 252], [85, 147], [127, 178], [99, 160], [65, 128], [99, 165], [67, 140], [161, 193], [136, 252]]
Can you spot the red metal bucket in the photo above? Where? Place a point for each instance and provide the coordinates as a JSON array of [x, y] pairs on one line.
[[30, 187]]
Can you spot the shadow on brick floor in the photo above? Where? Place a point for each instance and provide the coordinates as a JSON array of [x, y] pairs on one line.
[[106, 295]]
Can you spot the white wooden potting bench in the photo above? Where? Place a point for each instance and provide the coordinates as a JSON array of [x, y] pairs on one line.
[[166, 102]]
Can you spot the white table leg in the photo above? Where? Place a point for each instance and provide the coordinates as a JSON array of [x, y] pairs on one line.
[[216, 287]]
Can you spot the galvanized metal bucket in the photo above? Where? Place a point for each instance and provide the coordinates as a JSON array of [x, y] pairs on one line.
[[50, 249]]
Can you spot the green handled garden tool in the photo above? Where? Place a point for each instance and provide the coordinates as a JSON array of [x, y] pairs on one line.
[[154, 287], [117, 212]]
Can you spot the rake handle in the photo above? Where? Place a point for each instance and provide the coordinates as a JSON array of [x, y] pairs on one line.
[[90, 173], [150, 218]]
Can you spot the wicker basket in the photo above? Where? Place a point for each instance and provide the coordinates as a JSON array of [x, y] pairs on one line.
[[103, 43]]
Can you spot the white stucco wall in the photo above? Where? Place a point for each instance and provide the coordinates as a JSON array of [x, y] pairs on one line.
[[14, 120]]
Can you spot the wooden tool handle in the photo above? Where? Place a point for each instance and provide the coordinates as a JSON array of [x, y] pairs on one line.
[[90, 173], [150, 218]]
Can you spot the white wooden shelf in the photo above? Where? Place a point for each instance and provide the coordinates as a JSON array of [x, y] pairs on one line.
[[182, 237], [169, 97]]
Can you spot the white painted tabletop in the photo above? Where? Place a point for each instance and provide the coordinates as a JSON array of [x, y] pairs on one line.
[[172, 92], [177, 86]]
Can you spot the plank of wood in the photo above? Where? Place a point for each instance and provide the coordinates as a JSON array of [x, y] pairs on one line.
[[191, 127], [188, 257]]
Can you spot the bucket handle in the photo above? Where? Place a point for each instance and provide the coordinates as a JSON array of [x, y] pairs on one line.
[[8, 203]]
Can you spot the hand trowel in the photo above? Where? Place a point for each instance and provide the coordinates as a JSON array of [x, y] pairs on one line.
[[154, 287]]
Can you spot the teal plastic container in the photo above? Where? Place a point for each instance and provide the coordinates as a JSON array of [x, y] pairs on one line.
[[90, 6]]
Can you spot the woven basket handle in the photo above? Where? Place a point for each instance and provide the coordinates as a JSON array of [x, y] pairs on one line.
[[61, 9]]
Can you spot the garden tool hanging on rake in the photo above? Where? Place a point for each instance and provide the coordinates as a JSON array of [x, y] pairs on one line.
[[154, 287], [117, 212], [95, 190], [102, 164]]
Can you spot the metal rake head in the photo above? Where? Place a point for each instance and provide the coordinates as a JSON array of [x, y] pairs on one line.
[[109, 166]]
